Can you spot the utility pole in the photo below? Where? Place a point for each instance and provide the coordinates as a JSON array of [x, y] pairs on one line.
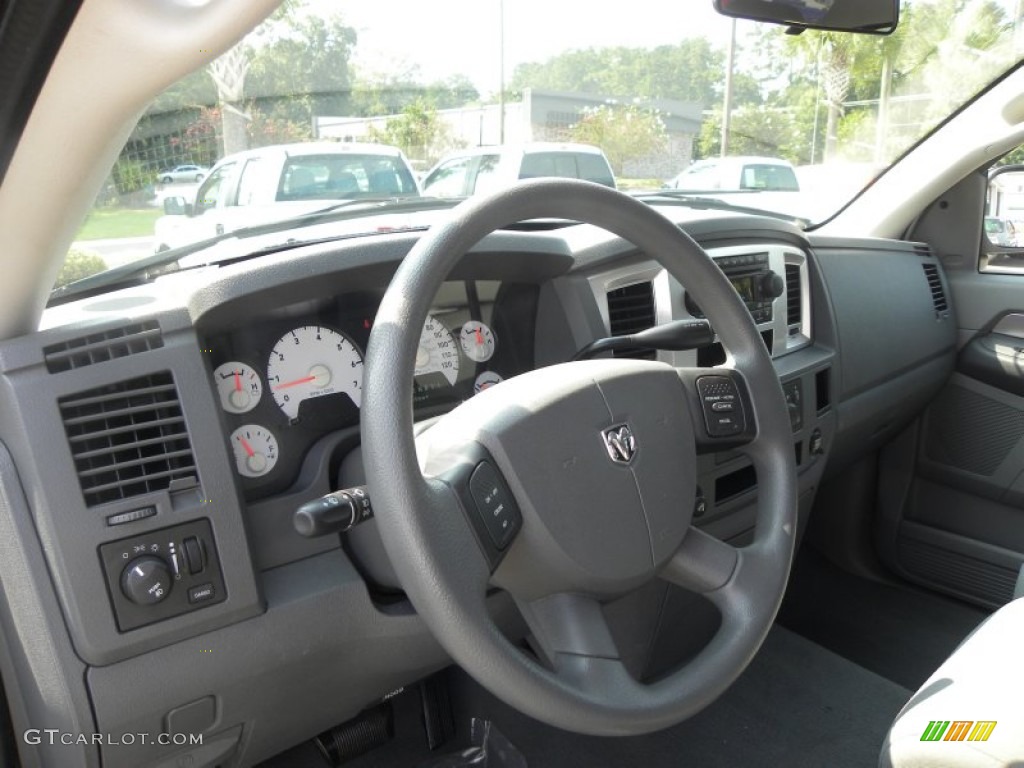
[[727, 98], [501, 71]]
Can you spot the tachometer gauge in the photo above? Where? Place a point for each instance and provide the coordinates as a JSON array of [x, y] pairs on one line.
[[313, 361], [255, 450], [239, 387], [437, 352], [477, 341]]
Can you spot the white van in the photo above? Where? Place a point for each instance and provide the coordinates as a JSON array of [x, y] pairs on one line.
[[268, 184], [738, 174], [476, 171]]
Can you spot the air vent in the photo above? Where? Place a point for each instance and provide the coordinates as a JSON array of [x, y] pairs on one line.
[[794, 298], [128, 439], [938, 294], [631, 310], [103, 346]]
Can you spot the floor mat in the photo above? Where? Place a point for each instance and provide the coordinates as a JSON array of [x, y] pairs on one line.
[[797, 705], [900, 632]]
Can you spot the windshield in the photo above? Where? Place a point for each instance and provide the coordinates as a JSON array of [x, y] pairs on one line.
[[335, 101]]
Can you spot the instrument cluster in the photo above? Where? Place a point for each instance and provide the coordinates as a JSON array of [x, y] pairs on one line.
[[286, 378]]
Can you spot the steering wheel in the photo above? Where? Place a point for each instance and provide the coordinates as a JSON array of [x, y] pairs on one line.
[[574, 484]]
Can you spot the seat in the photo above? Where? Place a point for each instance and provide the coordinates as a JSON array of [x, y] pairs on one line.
[[969, 713], [384, 183], [301, 183], [343, 183]]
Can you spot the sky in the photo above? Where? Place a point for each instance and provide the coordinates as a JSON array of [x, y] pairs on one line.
[[393, 31]]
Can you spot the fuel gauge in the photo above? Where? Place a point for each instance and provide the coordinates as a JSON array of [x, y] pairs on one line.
[[255, 450]]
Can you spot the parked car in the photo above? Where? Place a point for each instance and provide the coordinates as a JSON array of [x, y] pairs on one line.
[[183, 173], [1000, 231], [275, 182], [739, 174], [484, 169]]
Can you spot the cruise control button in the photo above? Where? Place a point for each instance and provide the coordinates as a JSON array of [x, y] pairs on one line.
[[494, 504], [722, 406]]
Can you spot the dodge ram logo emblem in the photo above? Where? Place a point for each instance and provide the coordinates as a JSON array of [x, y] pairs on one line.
[[620, 443]]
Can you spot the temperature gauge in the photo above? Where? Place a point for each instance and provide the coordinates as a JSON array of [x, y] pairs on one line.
[[486, 380], [255, 450], [477, 341], [239, 387]]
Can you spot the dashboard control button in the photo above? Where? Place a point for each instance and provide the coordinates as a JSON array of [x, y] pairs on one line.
[[494, 504], [146, 580], [201, 593], [131, 516], [816, 445], [194, 554], [722, 406]]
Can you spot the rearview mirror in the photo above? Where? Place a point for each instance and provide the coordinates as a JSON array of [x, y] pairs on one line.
[[176, 206], [877, 17]]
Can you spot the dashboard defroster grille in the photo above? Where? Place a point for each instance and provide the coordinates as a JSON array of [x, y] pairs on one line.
[[128, 438], [103, 346]]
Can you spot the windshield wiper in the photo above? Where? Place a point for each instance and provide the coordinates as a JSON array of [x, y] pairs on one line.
[[690, 200], [151, 267]]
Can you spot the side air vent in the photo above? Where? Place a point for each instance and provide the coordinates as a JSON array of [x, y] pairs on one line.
[[938, 294], [794, 298], [103, 346], [630, 310], [128, 439]]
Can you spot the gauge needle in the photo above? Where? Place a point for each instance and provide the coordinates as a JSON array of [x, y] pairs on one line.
[[479, 336], [248, 448], [295, 383], [238, 381]]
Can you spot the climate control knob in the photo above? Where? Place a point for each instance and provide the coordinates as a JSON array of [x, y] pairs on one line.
[[146, 580]]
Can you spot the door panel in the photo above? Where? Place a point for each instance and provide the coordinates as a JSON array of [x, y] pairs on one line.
[[951, 488]]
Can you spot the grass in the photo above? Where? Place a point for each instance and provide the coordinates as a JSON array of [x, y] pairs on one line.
[[105, 223]]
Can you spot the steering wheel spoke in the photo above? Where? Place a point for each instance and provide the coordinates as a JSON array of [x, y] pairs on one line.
[[702, 563], [720, 406]]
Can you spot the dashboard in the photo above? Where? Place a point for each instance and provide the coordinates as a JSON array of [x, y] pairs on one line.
[[159, 440], [289, 375]]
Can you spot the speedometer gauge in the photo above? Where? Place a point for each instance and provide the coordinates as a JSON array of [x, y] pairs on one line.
[[313, 361], [437, 352]]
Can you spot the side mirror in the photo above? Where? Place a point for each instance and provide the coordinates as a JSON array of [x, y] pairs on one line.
[[177, 206], [878, 17]]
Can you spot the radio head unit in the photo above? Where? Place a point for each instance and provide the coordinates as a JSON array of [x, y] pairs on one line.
[[755, 283]]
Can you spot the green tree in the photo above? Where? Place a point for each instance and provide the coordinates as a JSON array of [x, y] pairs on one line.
[[689, 71], [417, 131], [624, 132]]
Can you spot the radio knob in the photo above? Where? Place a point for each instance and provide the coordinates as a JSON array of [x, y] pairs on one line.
[[146, 580], [770, 285]]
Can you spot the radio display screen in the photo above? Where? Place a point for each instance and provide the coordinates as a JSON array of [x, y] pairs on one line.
[[744, 287]]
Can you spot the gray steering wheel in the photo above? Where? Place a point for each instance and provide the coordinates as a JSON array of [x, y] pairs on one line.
[[533, 486]]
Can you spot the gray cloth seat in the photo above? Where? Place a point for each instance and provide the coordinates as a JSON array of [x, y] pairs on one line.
[[948, 721]]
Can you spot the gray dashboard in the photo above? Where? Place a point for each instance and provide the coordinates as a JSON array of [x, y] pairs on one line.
[[295, 634]]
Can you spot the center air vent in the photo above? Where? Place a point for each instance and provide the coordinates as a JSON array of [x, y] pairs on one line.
[[103, 346], [631, 310], [128, 439], [794, 298], [931, 272]]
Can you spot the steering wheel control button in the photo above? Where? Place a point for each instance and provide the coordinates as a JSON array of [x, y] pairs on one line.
[[494, 504], [146, 580], [720, 401], [202, 593], [161, 574], [336, 512]]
